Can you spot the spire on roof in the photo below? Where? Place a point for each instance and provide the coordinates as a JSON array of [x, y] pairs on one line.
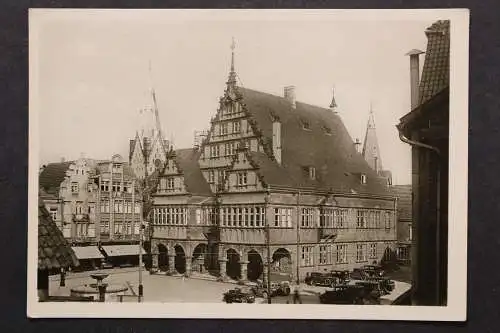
[[231, 82], [333, 104], [371, 151]]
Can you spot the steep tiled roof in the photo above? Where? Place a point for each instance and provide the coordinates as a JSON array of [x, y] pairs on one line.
[[325, 145], [53, 250], [187, 160], [436, 70], [52, 175], [404, 195]]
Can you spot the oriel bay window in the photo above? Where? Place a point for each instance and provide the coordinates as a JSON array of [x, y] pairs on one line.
[[242, 216], [176, 215], [283, 217]]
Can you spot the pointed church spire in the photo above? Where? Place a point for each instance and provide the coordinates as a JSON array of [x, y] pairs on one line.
[[155, 104], [231, 82], [371, 151], [333, 104]]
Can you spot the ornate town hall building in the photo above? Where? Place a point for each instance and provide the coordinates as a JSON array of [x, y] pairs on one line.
[[275, 178]]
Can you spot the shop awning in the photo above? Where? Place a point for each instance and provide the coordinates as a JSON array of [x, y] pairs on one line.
[[87, 252], [122, 250]]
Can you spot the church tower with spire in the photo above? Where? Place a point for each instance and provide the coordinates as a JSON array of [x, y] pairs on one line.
[[371, 150], [149, 148]]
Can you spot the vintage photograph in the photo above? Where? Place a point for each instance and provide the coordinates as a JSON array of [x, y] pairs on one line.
[[186, 161]]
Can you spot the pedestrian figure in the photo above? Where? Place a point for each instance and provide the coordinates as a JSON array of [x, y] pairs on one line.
[[296, 293]]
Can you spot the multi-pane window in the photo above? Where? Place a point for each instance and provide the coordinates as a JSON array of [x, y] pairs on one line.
[[211, 176], [105, 186], [307, 218], [221, 175], [377, 218], [373, 251], [360, 252], [214, 151], [326, 218], [242, 216], [53, 213], [74, 187], [341, 254], [340, 218], [283, 217], [362, 218], [172, 215], [229, 148], [170, 184], [307, 256], [325, 254], [242, 178], [223, 127], [236, 127], [116, 187], [387, 220]]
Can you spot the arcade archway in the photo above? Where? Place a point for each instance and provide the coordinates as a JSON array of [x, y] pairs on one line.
[[162, 257], [255, 266], [282, 262], [233, 264], [180, 259], [200, 261]]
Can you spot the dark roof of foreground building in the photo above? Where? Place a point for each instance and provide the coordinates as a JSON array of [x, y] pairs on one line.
[[404, 195], [52, 175], [312, 136], [54, 251], [187, 161], [436, 70]]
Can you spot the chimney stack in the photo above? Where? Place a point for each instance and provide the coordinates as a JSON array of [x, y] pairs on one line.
[[357, 145], [289, 94], [414, 76]]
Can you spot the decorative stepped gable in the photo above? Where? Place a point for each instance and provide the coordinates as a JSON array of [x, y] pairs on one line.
[[316, 149], [182, 171]]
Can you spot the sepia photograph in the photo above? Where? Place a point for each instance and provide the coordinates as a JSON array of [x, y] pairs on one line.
[[248, 164]]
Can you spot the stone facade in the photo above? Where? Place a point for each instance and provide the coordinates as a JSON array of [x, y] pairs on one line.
[[265, 188]]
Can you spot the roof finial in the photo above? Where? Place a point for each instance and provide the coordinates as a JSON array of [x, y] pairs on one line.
[[232, 74], [333, 104]]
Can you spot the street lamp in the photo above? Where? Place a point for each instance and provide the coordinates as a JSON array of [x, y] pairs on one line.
[[141, 288]]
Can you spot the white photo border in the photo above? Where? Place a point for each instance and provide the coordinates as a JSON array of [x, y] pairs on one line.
[[456, 310]]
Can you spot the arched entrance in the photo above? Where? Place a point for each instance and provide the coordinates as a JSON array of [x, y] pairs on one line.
[[255, 266], [162, 258], [200, 262], [282, 263], [233, 264], [180, 259]]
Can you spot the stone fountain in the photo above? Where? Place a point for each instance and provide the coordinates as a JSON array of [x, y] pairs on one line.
[[100, 290]]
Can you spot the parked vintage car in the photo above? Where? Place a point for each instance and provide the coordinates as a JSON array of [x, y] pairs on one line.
[[369, 279], [343, 294], [281, 288], [374, 270], [239, 295], [319, 279], [327, 279]]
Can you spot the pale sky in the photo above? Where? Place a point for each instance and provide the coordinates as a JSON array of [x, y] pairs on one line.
[[94, 78]]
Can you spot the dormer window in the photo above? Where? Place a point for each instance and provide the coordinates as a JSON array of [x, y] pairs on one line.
[[242, 178], [312, 173], [327, 130], [363, 178], [74, 187], [305, 125]]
